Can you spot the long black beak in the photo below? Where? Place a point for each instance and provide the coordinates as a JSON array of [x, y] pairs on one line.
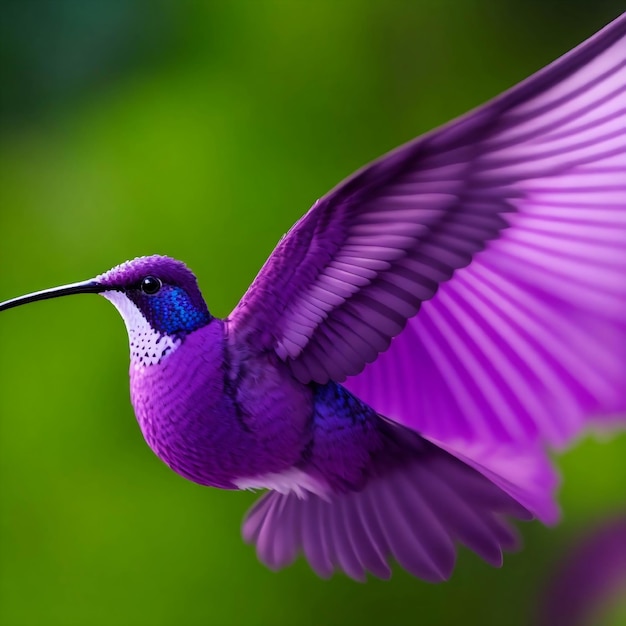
[[87, 286]]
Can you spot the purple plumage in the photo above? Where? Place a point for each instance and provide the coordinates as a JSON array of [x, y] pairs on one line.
[[449, 388]]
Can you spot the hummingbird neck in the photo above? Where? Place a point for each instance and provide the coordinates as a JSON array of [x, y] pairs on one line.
[[147, 345]]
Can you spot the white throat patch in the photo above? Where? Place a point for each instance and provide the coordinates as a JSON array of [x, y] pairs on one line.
[[147, 346]]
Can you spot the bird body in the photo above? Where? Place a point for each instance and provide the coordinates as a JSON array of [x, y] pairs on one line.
[[223, 418], [215, 421], [397, 367]]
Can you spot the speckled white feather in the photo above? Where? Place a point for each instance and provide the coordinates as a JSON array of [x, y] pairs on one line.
[[147, 346]]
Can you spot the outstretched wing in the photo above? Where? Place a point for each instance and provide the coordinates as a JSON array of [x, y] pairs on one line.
[[525, 199]]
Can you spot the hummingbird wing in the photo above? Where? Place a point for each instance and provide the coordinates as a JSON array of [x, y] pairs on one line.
[[523, 200], [414, 514]]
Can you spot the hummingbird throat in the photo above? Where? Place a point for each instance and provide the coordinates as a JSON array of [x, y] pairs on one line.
[[148, 346]]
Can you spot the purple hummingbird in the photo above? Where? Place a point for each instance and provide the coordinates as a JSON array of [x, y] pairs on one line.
[[392, 412]]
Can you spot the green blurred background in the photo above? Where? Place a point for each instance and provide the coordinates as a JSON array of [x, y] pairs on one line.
[[203, 130]]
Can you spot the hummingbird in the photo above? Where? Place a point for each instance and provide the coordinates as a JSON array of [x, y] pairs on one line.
[[396, 370]]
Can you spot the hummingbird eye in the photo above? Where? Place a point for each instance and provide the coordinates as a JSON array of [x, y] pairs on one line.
[[151, 285]]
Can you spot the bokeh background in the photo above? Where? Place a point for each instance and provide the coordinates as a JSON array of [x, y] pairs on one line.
[[203, 130]]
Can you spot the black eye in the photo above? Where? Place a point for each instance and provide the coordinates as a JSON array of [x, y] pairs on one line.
[[150, 285]]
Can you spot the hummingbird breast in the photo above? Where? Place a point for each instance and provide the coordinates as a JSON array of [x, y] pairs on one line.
[[214, 417]]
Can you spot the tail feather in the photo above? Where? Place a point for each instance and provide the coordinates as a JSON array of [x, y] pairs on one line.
[[413, 513]]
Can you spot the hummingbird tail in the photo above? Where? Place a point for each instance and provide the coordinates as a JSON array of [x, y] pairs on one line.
[[414, 513]]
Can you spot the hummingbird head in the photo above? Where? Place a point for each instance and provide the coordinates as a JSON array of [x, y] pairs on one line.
[[157, 296], [162, 290]]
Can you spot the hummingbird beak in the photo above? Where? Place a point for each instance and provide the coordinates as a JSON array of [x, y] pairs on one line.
[[87, 286]]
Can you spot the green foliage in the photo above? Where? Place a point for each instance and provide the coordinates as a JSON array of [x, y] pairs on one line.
[[203, 131]]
